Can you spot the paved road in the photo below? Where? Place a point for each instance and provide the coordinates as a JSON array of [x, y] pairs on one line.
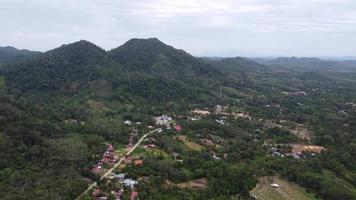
[[91, 186]]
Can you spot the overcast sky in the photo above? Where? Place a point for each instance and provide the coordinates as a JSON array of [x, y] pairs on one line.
[[201, 27]]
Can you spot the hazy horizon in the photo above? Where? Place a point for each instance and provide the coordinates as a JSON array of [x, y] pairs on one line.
[[226, 28]]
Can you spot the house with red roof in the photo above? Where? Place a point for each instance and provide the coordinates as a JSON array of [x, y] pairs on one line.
[[111, 148], [134, 195], [178, 128], [96, 169], [138, 163]]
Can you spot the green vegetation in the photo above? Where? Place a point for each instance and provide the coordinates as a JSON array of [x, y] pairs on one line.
[[60, 109]]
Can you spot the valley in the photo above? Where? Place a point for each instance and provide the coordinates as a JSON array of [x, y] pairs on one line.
[[148, 121]]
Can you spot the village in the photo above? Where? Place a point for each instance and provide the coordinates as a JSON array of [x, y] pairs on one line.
[[120, 185]]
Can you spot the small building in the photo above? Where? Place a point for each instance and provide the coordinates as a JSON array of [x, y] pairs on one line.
[[178, 128], [128, 123], [194, 118], [201, 112], [96, 169], [300, 93], [163, 120], [111, 148], [275, 185], [96, 192], [220, 121], [150, 146], [134, 195], [128, 160], [138, 163], [207, 141], [120, 176], [118, 194], [130, 183]]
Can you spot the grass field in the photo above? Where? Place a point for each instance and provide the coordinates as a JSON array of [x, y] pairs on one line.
[[190, 144], [286, 191]]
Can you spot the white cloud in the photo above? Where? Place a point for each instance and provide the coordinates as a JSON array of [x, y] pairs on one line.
[[255, 26]]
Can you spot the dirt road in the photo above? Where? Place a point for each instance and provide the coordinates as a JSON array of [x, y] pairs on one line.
[[106, 174]]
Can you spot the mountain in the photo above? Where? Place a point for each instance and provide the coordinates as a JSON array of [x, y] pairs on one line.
[[306, 63], [66, 70], [237, 63], [154, 57], [10, 54], [137, 71]]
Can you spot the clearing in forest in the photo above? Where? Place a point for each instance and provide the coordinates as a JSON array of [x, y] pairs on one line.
[[285, 191], [198, 184], [190, 144]]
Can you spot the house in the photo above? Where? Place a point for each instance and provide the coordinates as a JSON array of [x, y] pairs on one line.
[[134, 195], [151, 146], [221, 121], [178, 128], [214, 155], [300, 93], [138, 163], [111, 148], [138, 123], [150, 139], [102, 198], [120, 177], [219, 109], [128, 160], [118, 194], [275, 185], [96, 169], [243, 115], [194, 118], [201, 112], [128, 123], [130, 183], [207, 142], [163, 120], [96, 192]]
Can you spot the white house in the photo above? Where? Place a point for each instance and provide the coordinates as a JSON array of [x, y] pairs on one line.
[[163, 120], [130, 183], [127, 122]]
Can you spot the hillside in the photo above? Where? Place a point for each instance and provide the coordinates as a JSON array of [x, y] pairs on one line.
[[308, 64], [140, 69], [10, 54], [154, 57]]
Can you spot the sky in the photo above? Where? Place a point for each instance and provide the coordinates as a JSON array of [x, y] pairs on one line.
[[201, 27]]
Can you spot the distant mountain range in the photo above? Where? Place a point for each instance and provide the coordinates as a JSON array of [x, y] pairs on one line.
[[140, 71], [308, 63]]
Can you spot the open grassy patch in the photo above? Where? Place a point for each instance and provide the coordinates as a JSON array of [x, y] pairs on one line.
[[191, 145], [286, 190]]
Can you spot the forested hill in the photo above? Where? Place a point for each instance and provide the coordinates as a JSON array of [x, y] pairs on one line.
[[10, 54], [154, 57], [141, 69], [306, 63]]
